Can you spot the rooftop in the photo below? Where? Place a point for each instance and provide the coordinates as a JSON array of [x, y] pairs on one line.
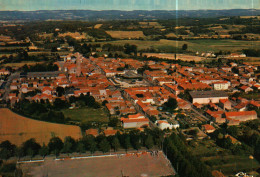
[[206, 94]]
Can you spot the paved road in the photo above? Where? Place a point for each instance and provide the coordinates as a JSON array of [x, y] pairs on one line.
[[8, 83]]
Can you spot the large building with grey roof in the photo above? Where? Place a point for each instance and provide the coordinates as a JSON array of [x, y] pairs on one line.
[[205, 97]]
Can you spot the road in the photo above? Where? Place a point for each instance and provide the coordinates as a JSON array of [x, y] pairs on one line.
[[8, 83]]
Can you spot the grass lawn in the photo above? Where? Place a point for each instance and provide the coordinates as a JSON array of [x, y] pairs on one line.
[[86, 115]]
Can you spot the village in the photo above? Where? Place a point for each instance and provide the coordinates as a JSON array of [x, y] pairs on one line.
[[204, 95]]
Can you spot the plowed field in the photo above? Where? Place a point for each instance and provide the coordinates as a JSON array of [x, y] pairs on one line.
[[18, 129]]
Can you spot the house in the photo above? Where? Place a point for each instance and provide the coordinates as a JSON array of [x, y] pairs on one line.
[[241, 116], [110, 132], [14, 86], [225, 104], [207, 128], [233, 140], [205, 97], [92, 131], [164, 124], [135, 121], [46, 90], [216, 173], [4, 72], [246, 88]]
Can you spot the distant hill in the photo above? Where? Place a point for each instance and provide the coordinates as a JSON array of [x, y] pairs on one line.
[[89, 15]]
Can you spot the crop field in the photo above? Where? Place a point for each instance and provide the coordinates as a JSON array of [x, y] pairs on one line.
[[125, 34], [86, 115], [18, 129], [193, 45], [104, 166]]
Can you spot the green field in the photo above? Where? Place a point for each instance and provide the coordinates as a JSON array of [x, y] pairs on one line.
[[221, 159], [231, 164], [202, 45], [86, 115], [205, 148]]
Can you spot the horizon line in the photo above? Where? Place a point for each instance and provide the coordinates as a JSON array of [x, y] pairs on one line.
[[128, 10]]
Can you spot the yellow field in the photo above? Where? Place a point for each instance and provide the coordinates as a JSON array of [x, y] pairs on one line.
[[97, 26], [126, 34], [17, 129]]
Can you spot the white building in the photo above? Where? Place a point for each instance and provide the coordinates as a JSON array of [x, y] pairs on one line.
[[164, 124], [221, 85]]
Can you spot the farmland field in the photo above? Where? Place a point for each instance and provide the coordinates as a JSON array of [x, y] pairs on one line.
[[125, 34], [86, 114], [17, 129], [193, 45]]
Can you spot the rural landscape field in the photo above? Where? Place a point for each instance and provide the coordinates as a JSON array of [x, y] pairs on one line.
[[18, 129]]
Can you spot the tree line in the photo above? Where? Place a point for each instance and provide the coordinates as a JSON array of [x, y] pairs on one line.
[[132, 140], [183, 161]]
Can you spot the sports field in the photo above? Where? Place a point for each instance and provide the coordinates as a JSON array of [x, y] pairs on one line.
[[17, 129], [108, 166]]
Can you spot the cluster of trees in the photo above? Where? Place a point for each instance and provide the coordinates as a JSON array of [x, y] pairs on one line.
[[40, 67], [252, 52], [51, 112], [242, 147], [248, 133], [184, 163]]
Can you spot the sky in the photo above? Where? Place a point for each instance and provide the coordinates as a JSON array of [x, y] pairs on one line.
[[30, 5]]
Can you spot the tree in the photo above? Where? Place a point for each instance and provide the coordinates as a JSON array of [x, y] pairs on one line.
[[171, 104], [184, 46], [135, 139], [113, 122], [127, 143], [115, 143], [81, 147], [60, 91], [31, 147], [7, 150], [69, 145], [55, 145], [104, 145], [44, 150], [149, 142]]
